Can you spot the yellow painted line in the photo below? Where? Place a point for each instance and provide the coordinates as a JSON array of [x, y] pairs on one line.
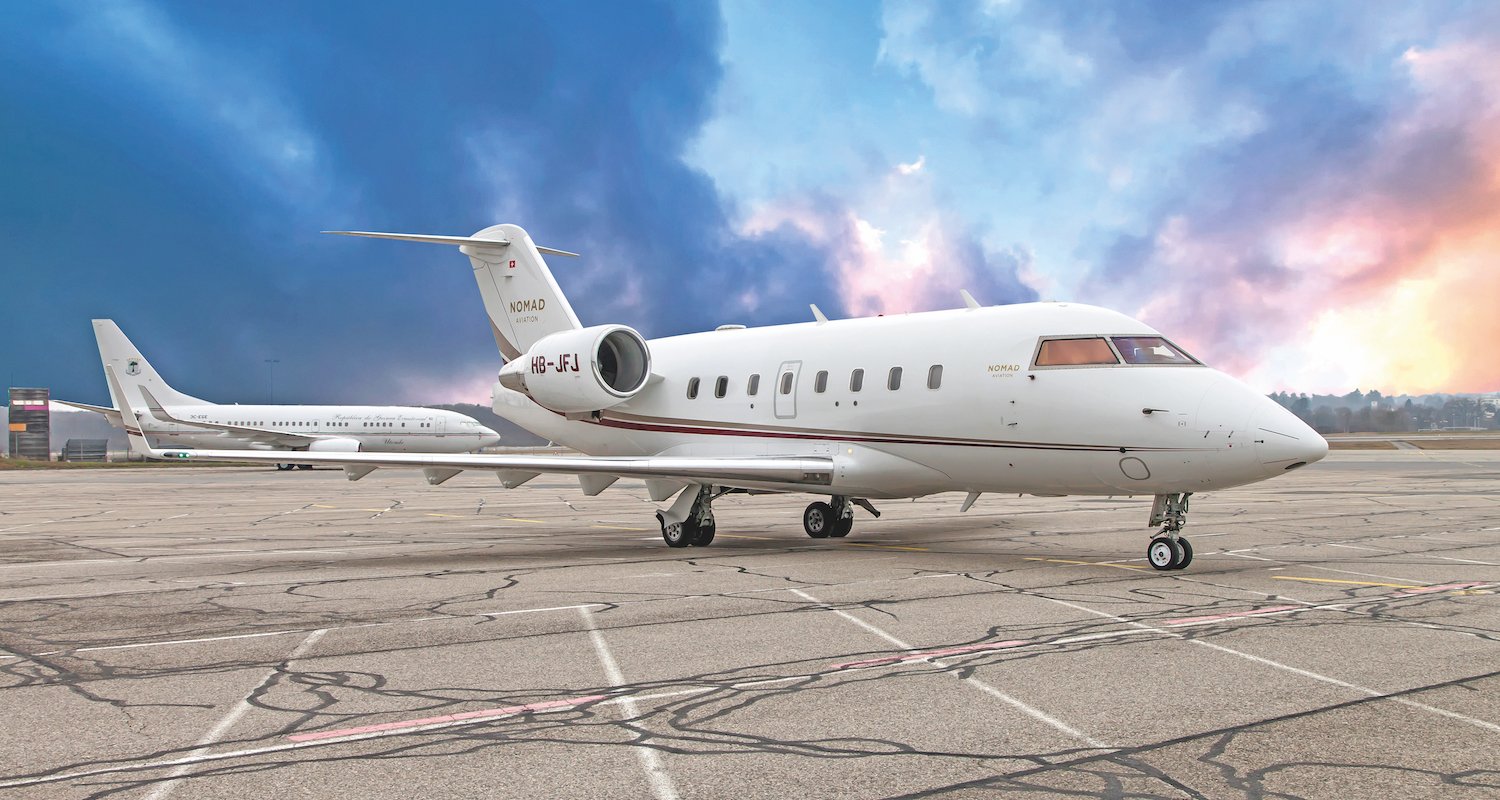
[[619, 528], [886, 546], [455, 516], [738, 536], [1084, 563], [1337, 580], [520, 519], [315, 505], [377, 510]]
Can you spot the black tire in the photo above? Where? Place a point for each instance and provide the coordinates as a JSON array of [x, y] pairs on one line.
[[677, 535], [304, 466], [285, 467], [842, 527], [1187, 552], [817, 520], [706, 534], [1163, 554]]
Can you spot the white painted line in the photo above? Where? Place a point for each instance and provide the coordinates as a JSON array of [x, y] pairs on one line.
[[656, 771], [1490, 726], [176, 641], [1030, 711], [217, 731], [1468, 561], [531, 610]]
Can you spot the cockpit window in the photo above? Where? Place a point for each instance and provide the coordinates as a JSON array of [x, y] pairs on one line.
[[1074, 352], [1150, 350]]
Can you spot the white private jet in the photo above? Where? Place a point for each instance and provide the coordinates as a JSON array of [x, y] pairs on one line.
[[1036, 398], [173, 419]]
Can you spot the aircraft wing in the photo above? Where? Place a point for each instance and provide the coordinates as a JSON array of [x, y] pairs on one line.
[[110, 413], [246, 433], [739, 471]]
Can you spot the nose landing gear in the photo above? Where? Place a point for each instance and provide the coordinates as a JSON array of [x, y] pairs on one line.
[[1170, 550]]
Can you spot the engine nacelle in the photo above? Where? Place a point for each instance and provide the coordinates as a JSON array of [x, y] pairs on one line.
[[583, 370], [334, 446]]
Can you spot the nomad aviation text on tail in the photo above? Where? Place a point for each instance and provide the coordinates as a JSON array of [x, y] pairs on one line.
[[1036, 398]]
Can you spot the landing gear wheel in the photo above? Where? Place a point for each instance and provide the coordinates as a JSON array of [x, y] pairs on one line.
[[706, 534], [1163, 553], [1187, 552], [818, 520], [677, 534], [285, 467], [842, 527], [304, 466]]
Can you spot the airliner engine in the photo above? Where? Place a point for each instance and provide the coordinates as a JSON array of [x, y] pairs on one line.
[[589, 369], [334, 446]]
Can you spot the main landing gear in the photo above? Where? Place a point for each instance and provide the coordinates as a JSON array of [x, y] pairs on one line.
[[689, 522], [822, 520], [691, 526], [1170, 549]]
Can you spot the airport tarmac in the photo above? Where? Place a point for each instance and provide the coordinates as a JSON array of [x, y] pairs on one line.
[[244, 633]]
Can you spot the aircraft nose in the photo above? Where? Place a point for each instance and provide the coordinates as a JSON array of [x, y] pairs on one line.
[[1282, 441], [488, 438]]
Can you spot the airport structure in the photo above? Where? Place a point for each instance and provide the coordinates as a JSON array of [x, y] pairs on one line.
[[30, 424]]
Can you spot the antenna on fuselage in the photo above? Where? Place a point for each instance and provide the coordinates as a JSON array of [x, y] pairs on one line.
[[818, 313], [969, 300]]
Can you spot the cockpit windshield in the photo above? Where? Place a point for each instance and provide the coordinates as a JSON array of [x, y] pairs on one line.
[[1150, 350], [1074, 353]]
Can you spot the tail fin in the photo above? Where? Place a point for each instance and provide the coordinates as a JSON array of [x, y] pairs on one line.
[[127, 371], [520, 294]]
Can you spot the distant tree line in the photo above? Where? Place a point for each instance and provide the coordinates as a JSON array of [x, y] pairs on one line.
[[1372, 411]]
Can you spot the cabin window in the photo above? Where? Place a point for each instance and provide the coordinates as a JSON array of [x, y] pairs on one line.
[[693, 389], [820, 382], [721, 386], [935, 376], [856, 380], [753, 386], [1150, 350], [1074, 352], [786, 383], [893, 380]]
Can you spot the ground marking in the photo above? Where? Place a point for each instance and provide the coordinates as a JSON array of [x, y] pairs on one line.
[[223, 726], [1086, 563], [656, 771], [1356, 583], [1034, 713], [885, 546], [1278, 665]]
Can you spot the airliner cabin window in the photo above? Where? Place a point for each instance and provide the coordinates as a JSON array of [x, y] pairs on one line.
[[820, 383], [693, 389], [1150, 350], [786, 383], [721, 386], [856, 380], [935, 376], [753, 387], [893, 381], [1074, 353]]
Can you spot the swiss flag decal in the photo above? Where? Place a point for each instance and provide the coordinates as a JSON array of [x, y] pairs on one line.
[[512, 263]]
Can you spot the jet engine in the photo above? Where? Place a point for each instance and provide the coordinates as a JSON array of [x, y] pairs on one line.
[[583, 370], [334, 446]]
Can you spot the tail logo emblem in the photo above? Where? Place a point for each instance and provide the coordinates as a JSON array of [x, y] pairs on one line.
[[133, 367]]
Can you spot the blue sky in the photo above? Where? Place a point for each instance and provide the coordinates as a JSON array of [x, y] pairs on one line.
[[1297, 191]]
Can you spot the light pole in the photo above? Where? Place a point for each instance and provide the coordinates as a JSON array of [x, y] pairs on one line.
[[272, 362]]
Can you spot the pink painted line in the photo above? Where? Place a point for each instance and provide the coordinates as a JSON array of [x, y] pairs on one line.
[[948, 651], [508, 711], [1213, 617], [1444, 588]]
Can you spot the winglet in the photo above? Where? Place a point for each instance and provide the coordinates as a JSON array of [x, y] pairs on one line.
[[818, 314], [133, 432], [969, 300]]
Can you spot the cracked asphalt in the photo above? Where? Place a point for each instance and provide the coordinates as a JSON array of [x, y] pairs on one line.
[[237, 632]]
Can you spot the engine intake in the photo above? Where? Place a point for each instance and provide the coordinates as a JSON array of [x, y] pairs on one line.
[[589, 369]]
